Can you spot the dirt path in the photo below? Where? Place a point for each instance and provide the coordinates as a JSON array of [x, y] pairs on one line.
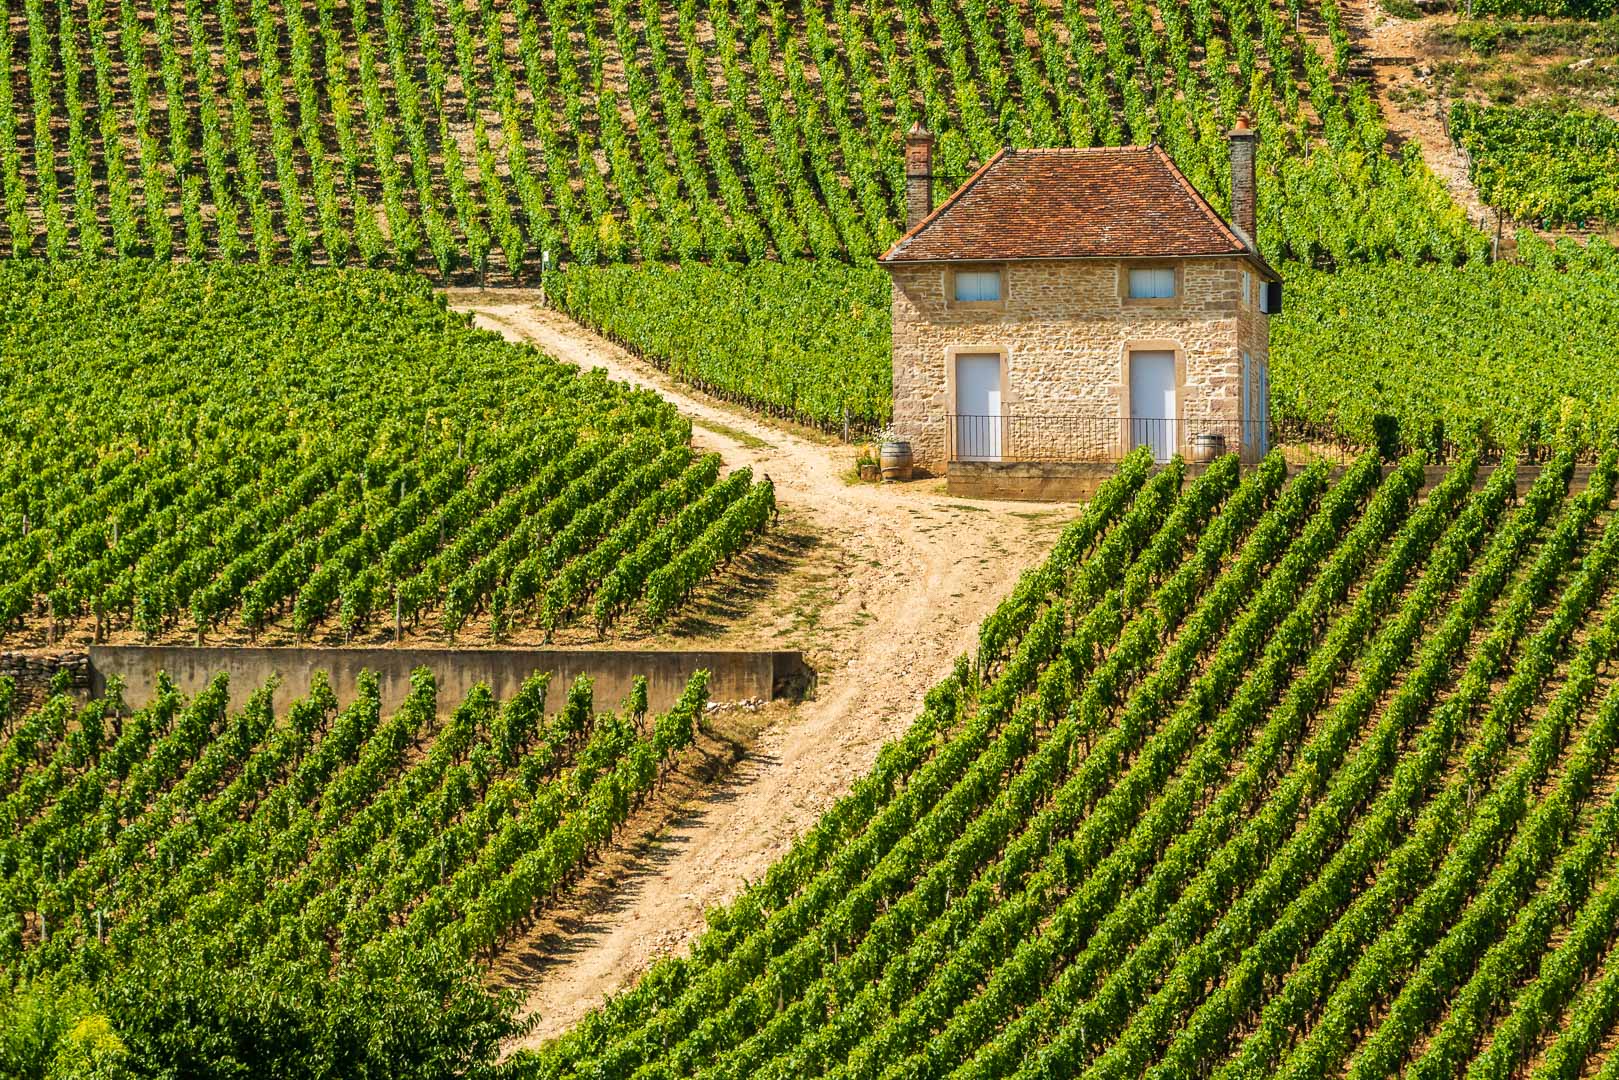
[[1398, 53], [891, 589]]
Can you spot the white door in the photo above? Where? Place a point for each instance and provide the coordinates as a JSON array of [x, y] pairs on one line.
[[1152, 403], [978, 407]]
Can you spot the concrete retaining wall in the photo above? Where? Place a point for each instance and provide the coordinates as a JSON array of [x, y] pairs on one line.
[[734, 676]]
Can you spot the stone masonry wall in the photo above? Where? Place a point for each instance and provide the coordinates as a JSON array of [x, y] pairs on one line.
[[32, 673], [1066, 331]]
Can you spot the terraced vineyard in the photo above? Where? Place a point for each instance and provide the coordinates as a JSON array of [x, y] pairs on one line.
[[192, 452], [1257, 776], [1496, 355], [311, 850], [477, 138], [1554, 166], [808, 340]]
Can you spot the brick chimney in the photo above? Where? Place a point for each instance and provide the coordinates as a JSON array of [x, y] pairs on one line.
[[918, 175], [1243, 195]]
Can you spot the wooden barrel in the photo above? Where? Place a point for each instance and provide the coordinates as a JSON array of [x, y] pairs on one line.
[[896, 459], [1208, 447]]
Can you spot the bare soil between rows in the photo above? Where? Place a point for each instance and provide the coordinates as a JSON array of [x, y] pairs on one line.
[[892, 589]]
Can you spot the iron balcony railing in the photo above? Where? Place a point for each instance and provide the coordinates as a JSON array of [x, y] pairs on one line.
[[1081, 438]]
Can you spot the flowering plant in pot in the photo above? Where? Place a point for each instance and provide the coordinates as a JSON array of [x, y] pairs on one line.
[[867, 466]]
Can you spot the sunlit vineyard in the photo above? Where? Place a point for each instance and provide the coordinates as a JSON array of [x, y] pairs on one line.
[[1270, 770], [1491, 356], [317, 851], [1258, 776], [477, 138], [1542, 164], [197, 453], [806, 341]]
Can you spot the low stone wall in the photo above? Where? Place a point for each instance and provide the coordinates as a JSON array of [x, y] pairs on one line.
[[733, 676], [1036, 481], [34, 672]]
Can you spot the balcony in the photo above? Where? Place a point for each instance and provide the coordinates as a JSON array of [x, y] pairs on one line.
[[1059, 457], [1072, 438]]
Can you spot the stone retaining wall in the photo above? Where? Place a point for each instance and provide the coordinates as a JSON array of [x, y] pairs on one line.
[[33, 672]]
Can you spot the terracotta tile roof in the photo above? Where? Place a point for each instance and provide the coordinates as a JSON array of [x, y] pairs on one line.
[[1099, 202]]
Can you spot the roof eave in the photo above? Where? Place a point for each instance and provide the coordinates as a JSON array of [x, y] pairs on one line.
[[1197, 198], [1242, 245], [1234, 253], [1231, 228], [938, 211], [1251, 249]]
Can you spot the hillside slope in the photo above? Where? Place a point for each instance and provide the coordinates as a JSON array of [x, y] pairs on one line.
[[900, 577], [1257, 776], [478, 138], [331, 457], [1525, 108]]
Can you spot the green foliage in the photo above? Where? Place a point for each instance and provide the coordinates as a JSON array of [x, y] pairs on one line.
[[670, 585], [807, 340], [1251, 779], [417, 1014], [1578, 9], [1487, 355], [54, 1030], [304, 450], [1551, 166], [476, 139], [220, 894]]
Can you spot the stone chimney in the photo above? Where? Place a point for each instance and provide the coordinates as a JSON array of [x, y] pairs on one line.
[[1243, 195], [918, 175]]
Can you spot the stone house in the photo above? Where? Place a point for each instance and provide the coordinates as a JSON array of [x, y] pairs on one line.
[[1070, 305]]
